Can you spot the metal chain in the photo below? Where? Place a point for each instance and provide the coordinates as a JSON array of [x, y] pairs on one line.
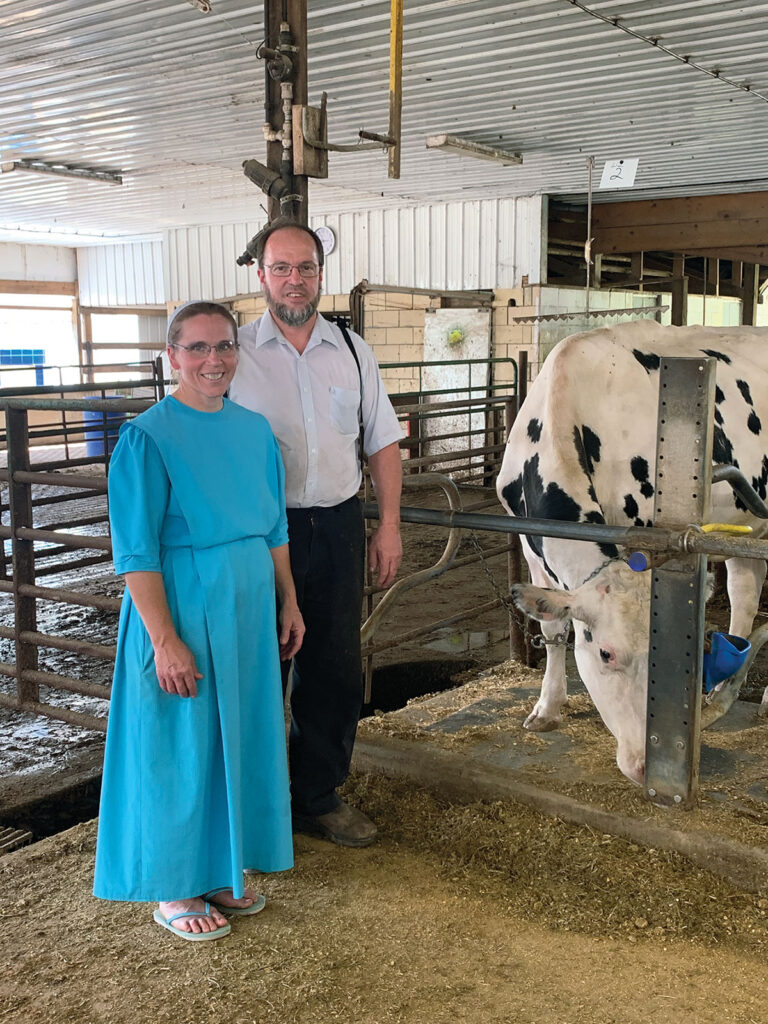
[[537, 640]]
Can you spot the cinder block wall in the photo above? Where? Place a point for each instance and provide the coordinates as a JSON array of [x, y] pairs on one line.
[[393, 325]]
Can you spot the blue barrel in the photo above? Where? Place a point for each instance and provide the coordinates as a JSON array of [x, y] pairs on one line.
[[97, 421]]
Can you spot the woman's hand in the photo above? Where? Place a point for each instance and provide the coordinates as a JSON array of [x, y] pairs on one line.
[[176, 670], [292, 630]]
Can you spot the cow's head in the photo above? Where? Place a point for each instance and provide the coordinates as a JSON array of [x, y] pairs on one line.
[[610, 616]]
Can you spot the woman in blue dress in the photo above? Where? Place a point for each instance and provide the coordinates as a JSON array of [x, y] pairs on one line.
[[195, 786]]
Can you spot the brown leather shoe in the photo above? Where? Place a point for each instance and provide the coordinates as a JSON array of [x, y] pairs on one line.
[[344, 825]]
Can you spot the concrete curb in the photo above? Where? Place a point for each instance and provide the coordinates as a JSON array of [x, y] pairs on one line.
[[459, 778]]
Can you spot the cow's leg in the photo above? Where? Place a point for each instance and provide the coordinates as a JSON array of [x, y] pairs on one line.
[[745, 583], [554, 692]]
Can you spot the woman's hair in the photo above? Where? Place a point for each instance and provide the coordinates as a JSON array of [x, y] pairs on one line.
[[190, 309]]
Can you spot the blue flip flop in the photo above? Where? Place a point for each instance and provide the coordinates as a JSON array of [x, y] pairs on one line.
[[218, 933], [258, 904]]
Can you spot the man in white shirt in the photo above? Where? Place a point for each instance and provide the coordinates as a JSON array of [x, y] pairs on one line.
[[299, 371]]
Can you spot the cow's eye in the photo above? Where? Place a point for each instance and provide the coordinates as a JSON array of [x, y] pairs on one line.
[[605, 655]]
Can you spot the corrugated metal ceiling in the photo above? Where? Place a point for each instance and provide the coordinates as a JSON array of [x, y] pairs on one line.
[[173, 98]]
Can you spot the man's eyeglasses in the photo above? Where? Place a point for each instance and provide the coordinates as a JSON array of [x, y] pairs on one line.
[[203, 349], [308, 269]]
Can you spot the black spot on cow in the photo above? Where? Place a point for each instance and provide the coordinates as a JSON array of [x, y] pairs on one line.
[[648, 360], [639, 467], [534, 430], [718, 416], [587, 636], [512, 494], [722, 449], [753, 422], [630, 507], [592, 493], [745, 392], [606, 550], [587, 445], [641, 473], [721, 356], [719, 396], [760, 483]]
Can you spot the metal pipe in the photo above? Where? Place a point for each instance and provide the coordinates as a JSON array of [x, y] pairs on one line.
[[71, 540], [395, 85], [688, 541], [105, 604], [95, 722], [413, 634], [741, 487], [95, 484]]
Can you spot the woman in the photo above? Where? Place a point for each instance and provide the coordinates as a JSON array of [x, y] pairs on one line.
[[195, 785]]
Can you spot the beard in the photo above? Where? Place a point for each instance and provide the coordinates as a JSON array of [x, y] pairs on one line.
[[291, 315]]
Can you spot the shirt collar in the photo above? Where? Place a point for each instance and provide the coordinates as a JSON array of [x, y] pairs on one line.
[[269, 331]]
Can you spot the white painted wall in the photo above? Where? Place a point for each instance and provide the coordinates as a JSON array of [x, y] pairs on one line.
[[37, 262]]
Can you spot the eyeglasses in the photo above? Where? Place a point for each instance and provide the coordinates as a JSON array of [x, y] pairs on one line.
[[308, 269], [202, 349]]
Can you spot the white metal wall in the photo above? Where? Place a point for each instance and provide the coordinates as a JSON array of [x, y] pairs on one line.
[[130, 274], [488, 243]]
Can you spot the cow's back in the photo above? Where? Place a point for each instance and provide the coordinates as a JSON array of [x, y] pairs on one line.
[[583, 446]]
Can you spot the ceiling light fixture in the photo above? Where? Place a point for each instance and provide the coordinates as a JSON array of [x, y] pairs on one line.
[[465, 147], [62, 170]]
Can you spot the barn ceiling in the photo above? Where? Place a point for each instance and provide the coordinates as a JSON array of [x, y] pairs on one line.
[[172, 99]]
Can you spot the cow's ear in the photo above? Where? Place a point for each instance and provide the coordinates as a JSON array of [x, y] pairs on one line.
[[542, 603]]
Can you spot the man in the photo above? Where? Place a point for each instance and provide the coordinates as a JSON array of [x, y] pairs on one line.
[[297, 369]]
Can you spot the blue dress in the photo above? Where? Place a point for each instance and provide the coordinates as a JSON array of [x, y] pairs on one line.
[[195, 790]]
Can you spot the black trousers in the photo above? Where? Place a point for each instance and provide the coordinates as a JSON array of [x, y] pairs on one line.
[[327, 548]]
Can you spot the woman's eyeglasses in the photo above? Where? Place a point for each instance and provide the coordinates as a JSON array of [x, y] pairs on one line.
[[203, 349]]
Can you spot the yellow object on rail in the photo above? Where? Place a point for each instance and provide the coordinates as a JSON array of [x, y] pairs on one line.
[[725, 528]]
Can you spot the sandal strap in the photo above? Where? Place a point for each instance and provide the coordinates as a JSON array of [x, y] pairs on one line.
[[190, 913], [215, 892]]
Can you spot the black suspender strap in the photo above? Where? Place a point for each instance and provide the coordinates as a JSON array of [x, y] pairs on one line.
[[351, 347]]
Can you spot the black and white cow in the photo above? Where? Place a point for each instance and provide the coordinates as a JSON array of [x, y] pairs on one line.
[[582, 449]]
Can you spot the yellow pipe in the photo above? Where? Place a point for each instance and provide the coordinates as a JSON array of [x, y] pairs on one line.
[[395, 84]]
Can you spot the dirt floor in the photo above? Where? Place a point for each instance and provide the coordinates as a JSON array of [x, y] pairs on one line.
[[480, 913]]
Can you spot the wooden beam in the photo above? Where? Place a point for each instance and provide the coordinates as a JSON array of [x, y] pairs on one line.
[[680, 225], [38, 287]]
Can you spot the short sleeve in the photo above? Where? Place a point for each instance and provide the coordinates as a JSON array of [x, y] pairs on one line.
[[278, 535], [138, 499]]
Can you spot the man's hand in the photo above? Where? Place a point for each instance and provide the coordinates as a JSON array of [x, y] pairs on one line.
[[385, 553], [292, 630]]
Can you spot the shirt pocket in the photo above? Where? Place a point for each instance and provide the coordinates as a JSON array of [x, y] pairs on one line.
[[344, 405]]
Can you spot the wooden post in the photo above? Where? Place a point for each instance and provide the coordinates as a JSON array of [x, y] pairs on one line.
[[750, 293], [679, 292]]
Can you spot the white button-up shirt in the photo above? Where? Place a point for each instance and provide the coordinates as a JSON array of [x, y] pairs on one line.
[[311, 401]]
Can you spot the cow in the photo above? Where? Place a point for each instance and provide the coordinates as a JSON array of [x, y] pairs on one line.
[[582, 449]]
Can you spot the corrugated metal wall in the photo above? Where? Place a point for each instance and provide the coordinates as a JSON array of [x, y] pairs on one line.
[[122, 275], [489, 243], [484, 244]]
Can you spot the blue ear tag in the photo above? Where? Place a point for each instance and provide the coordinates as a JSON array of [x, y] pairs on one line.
[[637, 561], [728, 654]]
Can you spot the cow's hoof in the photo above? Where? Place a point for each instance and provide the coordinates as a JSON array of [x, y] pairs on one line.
[[762, 711], [536, 722]]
